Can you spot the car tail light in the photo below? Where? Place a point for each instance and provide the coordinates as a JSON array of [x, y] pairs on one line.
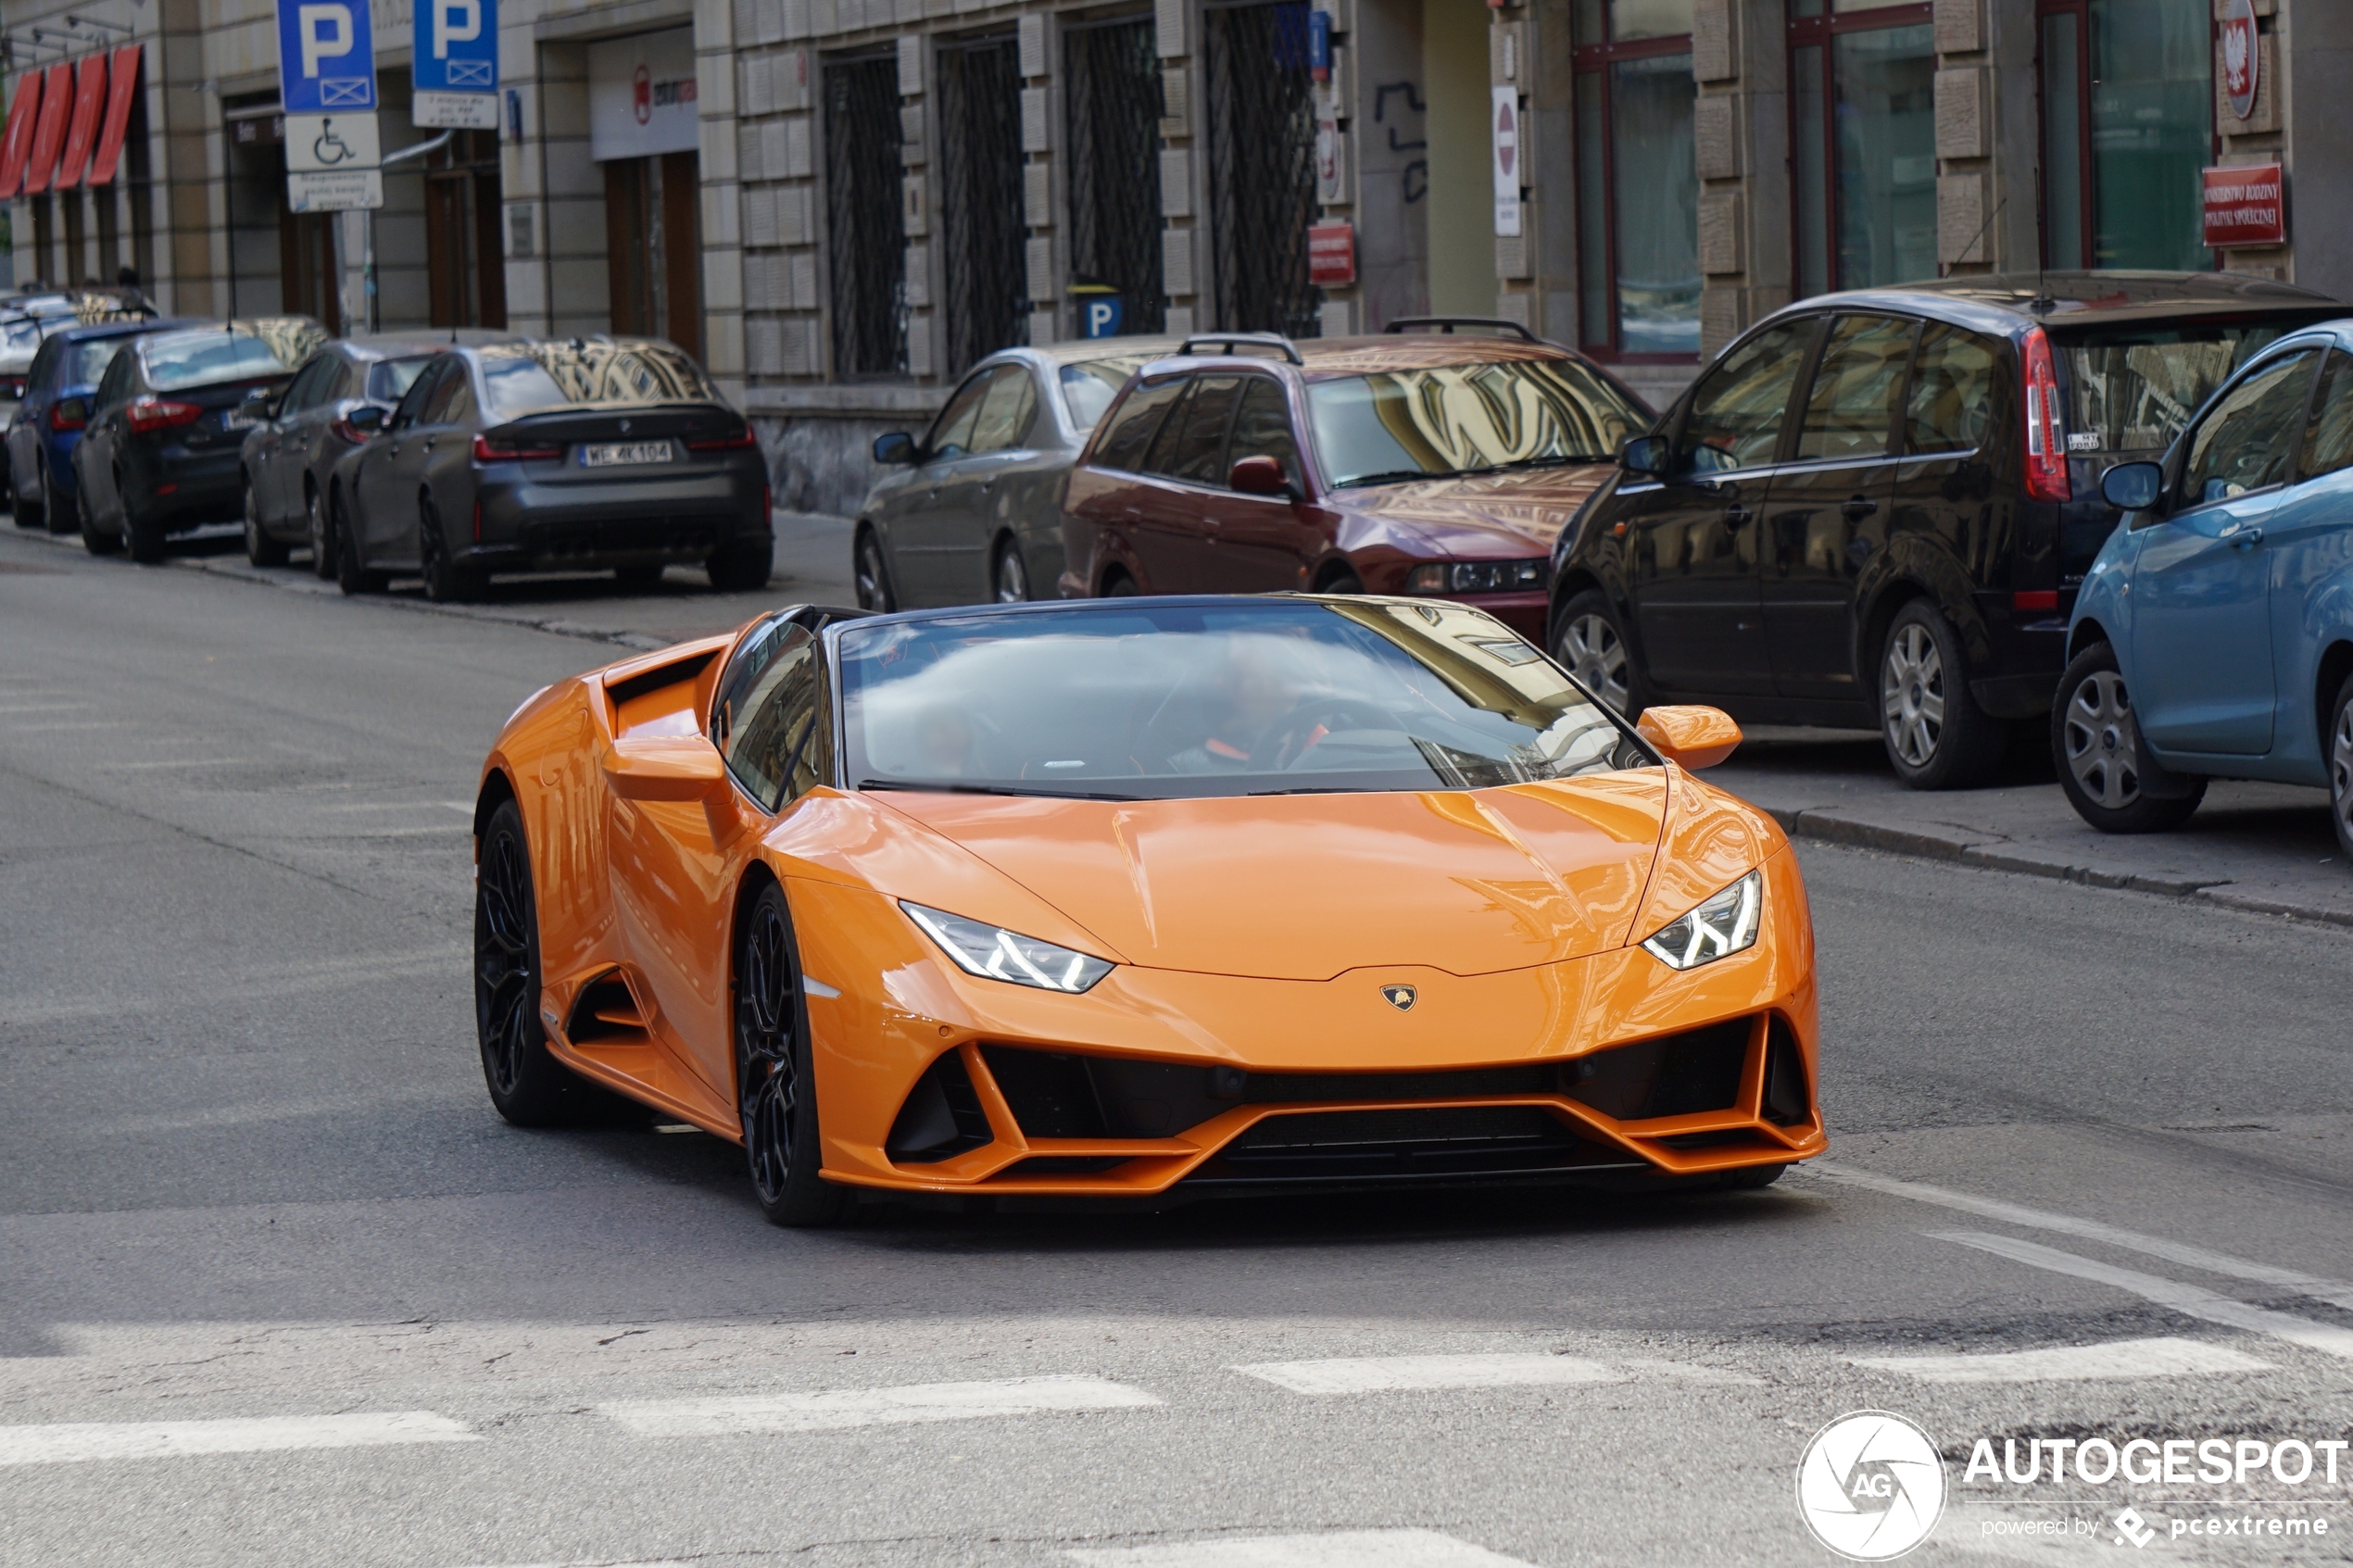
[[2046, 428], [2035, 599], [60, 420], [725, 443], [154, 413], [507, 449]]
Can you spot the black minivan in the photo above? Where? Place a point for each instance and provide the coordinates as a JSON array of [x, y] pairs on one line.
[[1873, 509]]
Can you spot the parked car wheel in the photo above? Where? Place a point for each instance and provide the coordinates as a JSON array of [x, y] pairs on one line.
[[1936, 736], [47, 512], [97, 543], [141, 536], [1009, 575], [874, 577], [2341, 765], [742, 568], [444, 582], [1590, 644], [351, 572], [29, 513], [529, 1086], [262, 547], [777, 1091], [322, 537], [1119, 585], [2096, 746], [1342, 581]]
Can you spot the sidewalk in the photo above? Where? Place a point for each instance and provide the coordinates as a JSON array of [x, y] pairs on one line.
[[2258, 846]]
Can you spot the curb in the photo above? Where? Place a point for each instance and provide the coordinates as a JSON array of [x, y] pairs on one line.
[[1997, 856]]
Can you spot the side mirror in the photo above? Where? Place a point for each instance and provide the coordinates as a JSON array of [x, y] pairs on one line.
[[1646, 456], [366, 419], [2132, 486], [665, 768], [895, 450], [1260, 475], [1695, 737]]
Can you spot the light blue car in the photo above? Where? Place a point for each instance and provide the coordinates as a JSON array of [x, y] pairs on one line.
[[2213, 636]]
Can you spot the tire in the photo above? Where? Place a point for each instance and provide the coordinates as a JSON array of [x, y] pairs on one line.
[[2095, 748], [445, 584], [1119, 585], [262, 547], [48, 513], [1344, 581], [637, 578], [323, 537], [742, 568], [30, 514], [97, 543], [872, 574], [1589, 642], [1936, 736], [141, 536], [1009, 575], [351, 576], [775, 1091], [530, 1087], [2340, 746]]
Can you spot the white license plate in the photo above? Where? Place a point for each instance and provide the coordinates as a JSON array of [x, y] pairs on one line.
[[614, 454], [238, 422]]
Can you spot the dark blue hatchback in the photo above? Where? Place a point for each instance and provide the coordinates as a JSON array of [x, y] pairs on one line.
[[55, 410]]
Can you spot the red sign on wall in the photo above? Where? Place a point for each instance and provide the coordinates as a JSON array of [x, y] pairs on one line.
[[1331, 254], [2246, 206]]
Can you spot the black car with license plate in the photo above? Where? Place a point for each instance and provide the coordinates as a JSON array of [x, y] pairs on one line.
[[612, 454], [1875, 508], [166, 424]]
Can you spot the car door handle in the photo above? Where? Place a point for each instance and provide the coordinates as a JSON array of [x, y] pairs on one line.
[[1857, 508], [2246, 538], [986, 486], [1737, 517], [428, 440]]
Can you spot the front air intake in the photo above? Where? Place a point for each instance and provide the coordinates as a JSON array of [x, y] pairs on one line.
[[1676, 1075], [942, 1117]]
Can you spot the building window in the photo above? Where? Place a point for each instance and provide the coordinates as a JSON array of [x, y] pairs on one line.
[[1261, 167], [1637, 182], [2127, 123], [866, 234], [985, 285], [1862, 144], [1113, 98]]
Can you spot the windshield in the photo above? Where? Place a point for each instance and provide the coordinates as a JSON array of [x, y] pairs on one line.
[[1179, 701], [177, 360], [2133, 389], [1088, 388], [1468, 419], [526, 378]]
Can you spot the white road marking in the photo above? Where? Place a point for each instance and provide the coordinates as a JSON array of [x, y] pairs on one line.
[[1692, 1371], [871, 1407], [1340, 1548], [188, 763], [2335, 1292], [2192, 1299], [42, 708], [1373, 1374], [2068, 1363], [167, 1439]]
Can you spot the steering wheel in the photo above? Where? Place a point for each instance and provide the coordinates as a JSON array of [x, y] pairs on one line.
[[1288, 741]]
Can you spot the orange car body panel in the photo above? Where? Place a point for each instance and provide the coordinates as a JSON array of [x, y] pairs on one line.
[[1253, 931]]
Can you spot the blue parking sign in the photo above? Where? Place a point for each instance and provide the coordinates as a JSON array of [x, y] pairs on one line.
[[326, 56], [457, 48]]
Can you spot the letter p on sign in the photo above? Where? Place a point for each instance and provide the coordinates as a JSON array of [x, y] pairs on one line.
[[326, 34], [454, 21]]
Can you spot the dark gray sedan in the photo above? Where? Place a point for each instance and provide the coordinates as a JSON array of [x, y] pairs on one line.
[[305, 430], [972, 511], [613, 454]]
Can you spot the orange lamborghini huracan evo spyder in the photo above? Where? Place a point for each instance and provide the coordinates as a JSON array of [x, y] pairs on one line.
[[1147, 898]]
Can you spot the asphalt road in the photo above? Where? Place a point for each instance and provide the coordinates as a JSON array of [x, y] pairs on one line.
[[254, 1201]]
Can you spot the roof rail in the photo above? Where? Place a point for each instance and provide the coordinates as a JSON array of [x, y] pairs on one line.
[[1448, 323], [1227, 342]]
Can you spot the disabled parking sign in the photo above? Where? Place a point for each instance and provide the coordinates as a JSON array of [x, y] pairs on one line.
[[455, 64], [326, 56]]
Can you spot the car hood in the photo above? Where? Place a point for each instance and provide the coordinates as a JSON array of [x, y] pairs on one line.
[[1501, 514], [1307, 887]]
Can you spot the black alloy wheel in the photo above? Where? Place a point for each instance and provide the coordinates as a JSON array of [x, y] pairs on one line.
[[743, 567], [872, 576], [322, 537], [2340, 755], [351, 571], [444, 582], [141, 536], [2096, 746], [262, 547], [530, 1087], [1936, 736], [1590, 644], [775, 1091], [97, 543], [1009, 575]]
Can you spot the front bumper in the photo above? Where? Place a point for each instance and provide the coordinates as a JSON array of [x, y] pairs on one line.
[[934, 1081]]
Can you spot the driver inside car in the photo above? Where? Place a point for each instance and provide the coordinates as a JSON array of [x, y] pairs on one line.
[[1247, 698]]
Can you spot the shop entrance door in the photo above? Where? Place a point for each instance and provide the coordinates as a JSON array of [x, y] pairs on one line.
[[466, 269], [653, 225]]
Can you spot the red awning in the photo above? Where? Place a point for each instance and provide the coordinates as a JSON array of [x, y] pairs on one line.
[[122, 86], [49, 135], [18, 141], [88, 98]]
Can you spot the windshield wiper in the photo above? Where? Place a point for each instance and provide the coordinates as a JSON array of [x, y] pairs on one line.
[[1559, 459], [1326, 789], [1400, 476], [948, 787]]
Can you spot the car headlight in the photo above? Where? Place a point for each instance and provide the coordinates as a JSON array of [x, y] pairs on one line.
[[1724, 925], [994, 953]]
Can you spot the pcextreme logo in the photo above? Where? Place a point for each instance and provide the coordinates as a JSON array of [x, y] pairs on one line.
[[1870, 1486]]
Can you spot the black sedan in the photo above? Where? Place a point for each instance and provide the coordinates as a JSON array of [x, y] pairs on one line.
[[611, 454], [161, 455], [291, 454]]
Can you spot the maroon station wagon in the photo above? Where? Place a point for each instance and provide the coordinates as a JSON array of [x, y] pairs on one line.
[[1418, 462]]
